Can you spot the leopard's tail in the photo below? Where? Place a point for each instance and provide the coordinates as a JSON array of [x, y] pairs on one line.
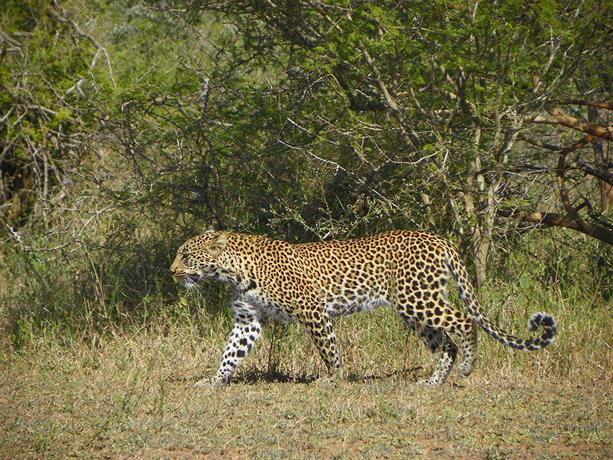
[[467, 293]]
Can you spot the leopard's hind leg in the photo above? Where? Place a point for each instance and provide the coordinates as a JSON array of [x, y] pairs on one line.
[[319, 326], [455, 323], [440, 344]]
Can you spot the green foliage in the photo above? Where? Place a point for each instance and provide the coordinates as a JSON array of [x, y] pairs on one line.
[[128, 126]]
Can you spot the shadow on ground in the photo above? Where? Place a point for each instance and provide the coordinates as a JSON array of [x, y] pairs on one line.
[[255, 377]]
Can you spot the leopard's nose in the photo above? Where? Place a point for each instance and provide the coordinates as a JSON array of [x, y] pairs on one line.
[[175, 276]]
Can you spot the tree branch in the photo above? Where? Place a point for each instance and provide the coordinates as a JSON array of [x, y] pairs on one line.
[[556, 148], [599, 105], [584, 166], [409, 134], [562, 118], [82, 34], [551, 219]]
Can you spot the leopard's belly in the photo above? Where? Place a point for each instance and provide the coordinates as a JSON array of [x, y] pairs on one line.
[[339, 306]]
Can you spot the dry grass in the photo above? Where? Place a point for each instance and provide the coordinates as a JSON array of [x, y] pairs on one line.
[[130, 395]]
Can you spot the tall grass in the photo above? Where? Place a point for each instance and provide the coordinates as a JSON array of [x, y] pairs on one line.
[[104, 305], [373, 345]]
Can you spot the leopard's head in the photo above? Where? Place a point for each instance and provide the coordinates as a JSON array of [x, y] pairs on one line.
[[197, 258]]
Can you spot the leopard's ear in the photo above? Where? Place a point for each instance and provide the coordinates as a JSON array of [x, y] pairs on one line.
[[217, 246]]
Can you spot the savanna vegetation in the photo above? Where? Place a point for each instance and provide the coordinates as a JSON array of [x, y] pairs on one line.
[[127, 126]]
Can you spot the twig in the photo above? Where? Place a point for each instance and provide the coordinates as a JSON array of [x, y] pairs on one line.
[[96, 43]]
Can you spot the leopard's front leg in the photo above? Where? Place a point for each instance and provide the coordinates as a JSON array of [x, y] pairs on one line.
[[247, 329]]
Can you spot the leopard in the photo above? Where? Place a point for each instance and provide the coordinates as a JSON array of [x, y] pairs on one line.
[[314, 283]]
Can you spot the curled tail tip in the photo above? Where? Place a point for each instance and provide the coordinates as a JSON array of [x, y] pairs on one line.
[[542, 319], [547, 322]]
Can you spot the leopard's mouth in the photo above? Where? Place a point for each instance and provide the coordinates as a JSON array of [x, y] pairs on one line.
[[187, 280]]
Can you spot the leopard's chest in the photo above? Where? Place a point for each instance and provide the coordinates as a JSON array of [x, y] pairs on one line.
[[268, 310]]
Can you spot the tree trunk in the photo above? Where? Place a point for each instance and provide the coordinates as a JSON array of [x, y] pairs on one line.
[[601, 156]]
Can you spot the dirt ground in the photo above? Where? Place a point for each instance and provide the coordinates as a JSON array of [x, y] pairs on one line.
[[136, 400]]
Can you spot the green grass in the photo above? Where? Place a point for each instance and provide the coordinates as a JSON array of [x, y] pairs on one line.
[[128, 392]]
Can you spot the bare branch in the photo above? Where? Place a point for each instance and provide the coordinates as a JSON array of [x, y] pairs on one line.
[[409, 134], [551, 219], [96, 43], [557, 148], [584, 166], [596, 104], [562, 118]]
